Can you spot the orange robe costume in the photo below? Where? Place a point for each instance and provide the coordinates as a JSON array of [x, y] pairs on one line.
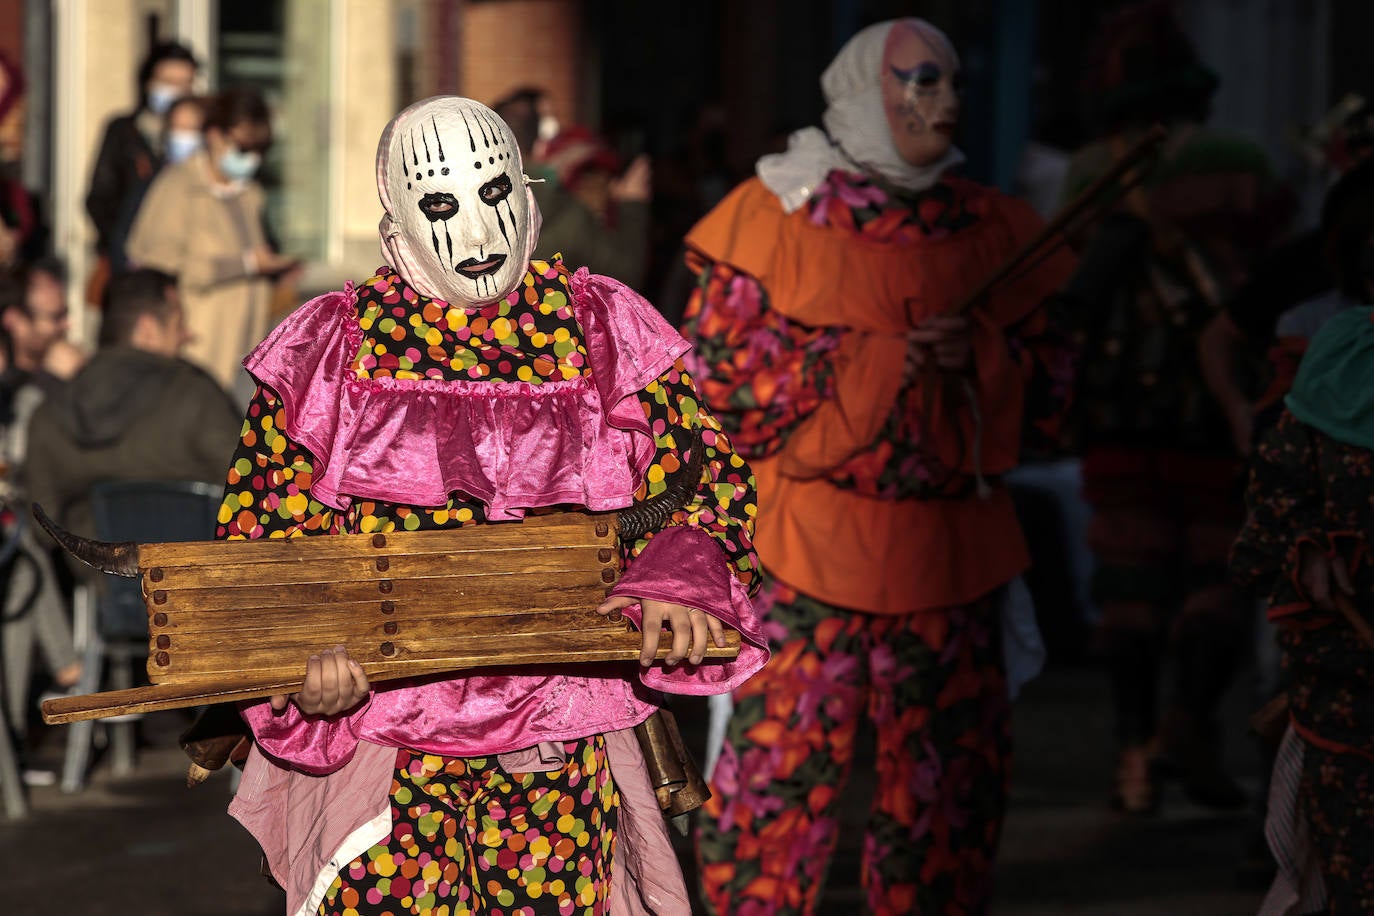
[[890, 556]]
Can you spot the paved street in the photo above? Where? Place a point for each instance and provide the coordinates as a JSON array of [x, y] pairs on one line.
[[146, 845]]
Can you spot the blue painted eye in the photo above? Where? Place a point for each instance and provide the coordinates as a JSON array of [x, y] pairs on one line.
[[924, 75]]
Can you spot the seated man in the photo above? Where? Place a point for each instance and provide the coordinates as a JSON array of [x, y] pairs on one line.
[[135, 411]]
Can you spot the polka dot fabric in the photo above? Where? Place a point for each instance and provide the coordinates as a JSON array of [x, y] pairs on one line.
[[469, 838], [529, 336]]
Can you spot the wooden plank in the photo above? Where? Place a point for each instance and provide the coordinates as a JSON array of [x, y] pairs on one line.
[[534, 533], [459, 591], [180, 696], [226, 623], [375, 628], [549, 561], [531, 633]]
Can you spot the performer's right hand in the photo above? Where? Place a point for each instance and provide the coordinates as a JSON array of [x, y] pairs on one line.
[[334, 683], [1319, 573]]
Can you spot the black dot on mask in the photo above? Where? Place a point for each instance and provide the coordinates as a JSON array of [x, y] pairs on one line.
[[431, 173], [477, 165], [491, 160], [501, 156], [418, 176], [444, 170], [408, 186]]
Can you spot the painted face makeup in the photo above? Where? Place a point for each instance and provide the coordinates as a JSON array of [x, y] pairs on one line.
[[460, 223], [921, 85]]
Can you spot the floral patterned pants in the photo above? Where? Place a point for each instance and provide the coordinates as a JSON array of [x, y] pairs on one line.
[[1338, 797], [469, 838], [934, 688]]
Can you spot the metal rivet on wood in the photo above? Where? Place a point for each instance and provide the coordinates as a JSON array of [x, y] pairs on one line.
[[164, 642], [384, 586], [378, 540], [388, 649], [155, 574], [383, 564], [159, 597]]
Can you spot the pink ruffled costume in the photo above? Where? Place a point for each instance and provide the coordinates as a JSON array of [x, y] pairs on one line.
[[584, 441]]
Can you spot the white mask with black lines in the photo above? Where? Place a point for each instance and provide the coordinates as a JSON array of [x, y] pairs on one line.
[[460, 222]]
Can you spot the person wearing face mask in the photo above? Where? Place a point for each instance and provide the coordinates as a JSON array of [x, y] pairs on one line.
[[202, 222], [183, 137], [465, 384], [879, 424], [132, 151]]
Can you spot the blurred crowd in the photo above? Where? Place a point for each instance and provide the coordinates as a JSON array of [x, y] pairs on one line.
[[1188, 318]]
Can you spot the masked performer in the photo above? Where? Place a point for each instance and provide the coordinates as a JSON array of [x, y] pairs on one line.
[[878, 424], [1160, 469], [461, 385], [1305, 542]]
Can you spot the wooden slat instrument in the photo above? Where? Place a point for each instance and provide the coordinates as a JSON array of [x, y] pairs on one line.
[[236, 620]]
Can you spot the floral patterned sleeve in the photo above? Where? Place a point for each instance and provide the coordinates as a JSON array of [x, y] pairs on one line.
[[268, 492], [761, 373], [724, 504], [1283, 504], [1043, 347]]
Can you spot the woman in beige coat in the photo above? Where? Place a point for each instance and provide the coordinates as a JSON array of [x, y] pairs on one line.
[[202, 222]]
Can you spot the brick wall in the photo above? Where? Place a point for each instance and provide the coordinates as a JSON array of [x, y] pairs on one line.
[[511, 43]]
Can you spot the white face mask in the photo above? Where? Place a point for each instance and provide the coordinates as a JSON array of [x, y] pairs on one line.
[[460, 222], [548, 127], [161, 96], [182, 144]]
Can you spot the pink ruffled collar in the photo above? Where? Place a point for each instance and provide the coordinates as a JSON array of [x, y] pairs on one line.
[[510, 445]]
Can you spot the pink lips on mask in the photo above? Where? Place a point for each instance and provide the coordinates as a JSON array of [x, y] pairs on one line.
[[475, 268]]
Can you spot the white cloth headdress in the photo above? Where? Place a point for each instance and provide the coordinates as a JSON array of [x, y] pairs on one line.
[[856, 135]]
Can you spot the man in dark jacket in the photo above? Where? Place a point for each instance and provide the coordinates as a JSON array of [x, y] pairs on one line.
[[135, 411]]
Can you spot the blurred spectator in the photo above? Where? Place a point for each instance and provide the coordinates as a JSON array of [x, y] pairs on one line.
[[22, 234], [33, 315], [183, 136], [1160, 468], [35, 322], [202, 222], [603, 219], [136, 411], [530, 113], [132, 151]]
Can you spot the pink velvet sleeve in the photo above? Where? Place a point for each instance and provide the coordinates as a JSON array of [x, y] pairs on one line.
[[311, 744], [684, 565]]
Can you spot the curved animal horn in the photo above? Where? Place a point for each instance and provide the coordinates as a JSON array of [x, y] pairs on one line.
[[118, 559], [654, 512]]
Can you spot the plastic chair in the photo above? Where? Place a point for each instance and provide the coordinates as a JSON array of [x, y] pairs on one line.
[[144, 511]]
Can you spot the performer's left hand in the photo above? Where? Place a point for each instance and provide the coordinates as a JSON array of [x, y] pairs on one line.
[[945, 340], [690, 628]]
